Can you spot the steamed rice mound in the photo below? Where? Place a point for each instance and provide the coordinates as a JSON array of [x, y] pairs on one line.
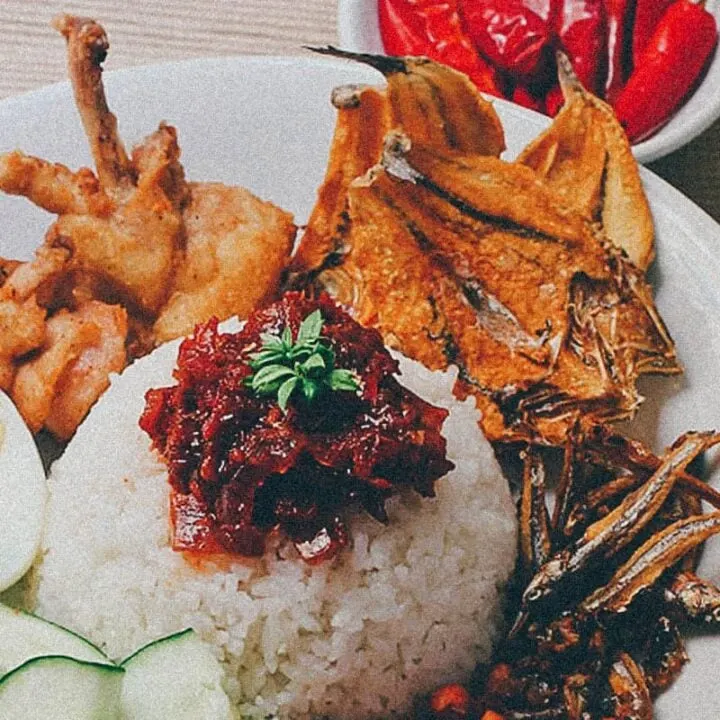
[[410, 605]]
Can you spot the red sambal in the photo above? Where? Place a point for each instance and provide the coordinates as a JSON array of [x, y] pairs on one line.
[[241, 467]]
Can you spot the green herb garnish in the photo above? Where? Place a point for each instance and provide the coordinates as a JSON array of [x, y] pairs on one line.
[[305, 366]]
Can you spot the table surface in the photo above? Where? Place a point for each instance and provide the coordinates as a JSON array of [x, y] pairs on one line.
[[148, 31]]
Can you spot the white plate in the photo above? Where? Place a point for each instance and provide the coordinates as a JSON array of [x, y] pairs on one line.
[[358, 30], [266, 123]]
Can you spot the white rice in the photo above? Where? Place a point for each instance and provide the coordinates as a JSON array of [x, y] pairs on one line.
[[411, 605]]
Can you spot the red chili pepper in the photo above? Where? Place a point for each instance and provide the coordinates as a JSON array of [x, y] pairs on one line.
[[667, 69], [522, 95], [618, 35], [580, 27], [509, 33], [647, 17], [421, 27], [450, 698], [554, 100]]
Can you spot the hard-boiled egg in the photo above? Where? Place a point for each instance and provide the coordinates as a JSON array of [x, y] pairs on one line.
[[23, 495]]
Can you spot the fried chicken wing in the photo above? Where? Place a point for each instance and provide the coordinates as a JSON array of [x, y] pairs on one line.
[[236, 248]]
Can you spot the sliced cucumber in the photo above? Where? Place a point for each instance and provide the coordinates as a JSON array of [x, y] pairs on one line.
[[176, 677], [24, 636], [61, 688]]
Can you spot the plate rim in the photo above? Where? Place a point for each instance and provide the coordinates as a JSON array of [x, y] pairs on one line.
[[12, 103]]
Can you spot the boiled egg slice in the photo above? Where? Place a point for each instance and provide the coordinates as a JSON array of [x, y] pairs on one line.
[[23, 495]]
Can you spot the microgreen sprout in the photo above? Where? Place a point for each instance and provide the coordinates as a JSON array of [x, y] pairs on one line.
[[305, 366]]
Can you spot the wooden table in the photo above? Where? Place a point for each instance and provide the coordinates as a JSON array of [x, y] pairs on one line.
[[143, 31]]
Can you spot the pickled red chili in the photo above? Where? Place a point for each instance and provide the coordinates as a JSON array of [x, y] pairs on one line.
[[510, 34], [667, 69], [508, 46], [240, 468], [434, 29]]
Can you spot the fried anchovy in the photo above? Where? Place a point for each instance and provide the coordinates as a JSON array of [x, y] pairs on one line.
[[567, 485], [576, 691], [522, 405], [620, 526], [613, 451], [630, 691], [649, 562], [534, 531], [665, 656], [698, 598], [551, 713]]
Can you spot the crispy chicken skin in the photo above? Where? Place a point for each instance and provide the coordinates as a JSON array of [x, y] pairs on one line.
[[235, 251]]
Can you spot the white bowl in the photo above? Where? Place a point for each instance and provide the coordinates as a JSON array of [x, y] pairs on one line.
[[358, 31]]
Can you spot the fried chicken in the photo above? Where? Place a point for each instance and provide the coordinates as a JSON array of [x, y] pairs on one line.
[[81, 349], [22, 319], [143, 254], [236, 248]]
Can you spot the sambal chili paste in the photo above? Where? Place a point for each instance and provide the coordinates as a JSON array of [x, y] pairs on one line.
[[241, 467]]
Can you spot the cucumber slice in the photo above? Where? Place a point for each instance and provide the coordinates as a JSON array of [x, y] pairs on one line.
[[61, 688], [24, 636], [175, 677], [23, 495]]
